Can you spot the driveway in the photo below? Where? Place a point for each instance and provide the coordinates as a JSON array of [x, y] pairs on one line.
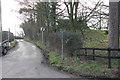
[[24, 61]]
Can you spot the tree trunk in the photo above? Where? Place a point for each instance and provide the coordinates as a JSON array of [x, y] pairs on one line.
[[114, 25], [71, 16]]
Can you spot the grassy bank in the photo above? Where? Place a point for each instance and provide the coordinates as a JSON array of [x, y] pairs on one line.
[[95, 39], [37, 44], [77, 66], [13, 43]]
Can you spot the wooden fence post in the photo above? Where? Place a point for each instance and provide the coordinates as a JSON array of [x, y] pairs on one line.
[[109, 59], [86, 54], [93, 54]]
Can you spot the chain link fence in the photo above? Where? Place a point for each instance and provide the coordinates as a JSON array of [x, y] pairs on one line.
[[63, 42]]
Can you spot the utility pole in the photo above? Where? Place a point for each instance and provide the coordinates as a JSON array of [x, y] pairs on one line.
[[8, 34], [114, 23], [9, 37]]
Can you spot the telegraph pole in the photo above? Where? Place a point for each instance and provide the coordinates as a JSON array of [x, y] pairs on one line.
[[8, 34], [114, 23], [9, 37]]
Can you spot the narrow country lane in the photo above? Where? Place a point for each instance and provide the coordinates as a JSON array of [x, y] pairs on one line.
[[24, 61]]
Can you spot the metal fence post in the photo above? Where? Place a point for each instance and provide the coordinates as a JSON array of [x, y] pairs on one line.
[[42, 37], [42, 30], [62, 54]]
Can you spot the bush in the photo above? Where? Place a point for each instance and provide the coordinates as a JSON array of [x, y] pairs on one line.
[[5, 36], [72, 42]]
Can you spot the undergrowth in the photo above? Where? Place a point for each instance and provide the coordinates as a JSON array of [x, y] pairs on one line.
[[94, 39], [76, 65]]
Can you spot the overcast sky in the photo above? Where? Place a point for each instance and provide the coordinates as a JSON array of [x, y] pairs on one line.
[[9, 14]]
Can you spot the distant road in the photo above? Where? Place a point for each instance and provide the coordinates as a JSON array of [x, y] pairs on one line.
[[24, 61]]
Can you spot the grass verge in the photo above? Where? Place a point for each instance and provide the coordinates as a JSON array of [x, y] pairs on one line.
[[13, 43], [76, 65], [37, 44]]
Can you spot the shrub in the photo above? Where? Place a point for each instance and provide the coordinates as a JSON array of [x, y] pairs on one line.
[[5, 36], [72, 42]]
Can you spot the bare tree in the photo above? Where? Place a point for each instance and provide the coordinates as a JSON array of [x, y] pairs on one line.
[[72, 9]]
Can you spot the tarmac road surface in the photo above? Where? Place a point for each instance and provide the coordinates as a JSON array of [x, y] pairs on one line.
[[24, 61]]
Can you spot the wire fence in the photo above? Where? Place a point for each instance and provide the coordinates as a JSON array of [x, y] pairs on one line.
[[62, 42]]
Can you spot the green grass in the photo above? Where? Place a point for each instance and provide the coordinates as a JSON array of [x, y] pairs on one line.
[[95, 39], [69, 68], [13, 43], [37, 44], [116, 62], [77, 66], [95, 33], [93, 69], [54, 57]]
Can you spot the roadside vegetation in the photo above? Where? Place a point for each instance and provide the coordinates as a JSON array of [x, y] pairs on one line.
[[13, 43], [80, 66], [96, 39], [37, 44], [66, 30]]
